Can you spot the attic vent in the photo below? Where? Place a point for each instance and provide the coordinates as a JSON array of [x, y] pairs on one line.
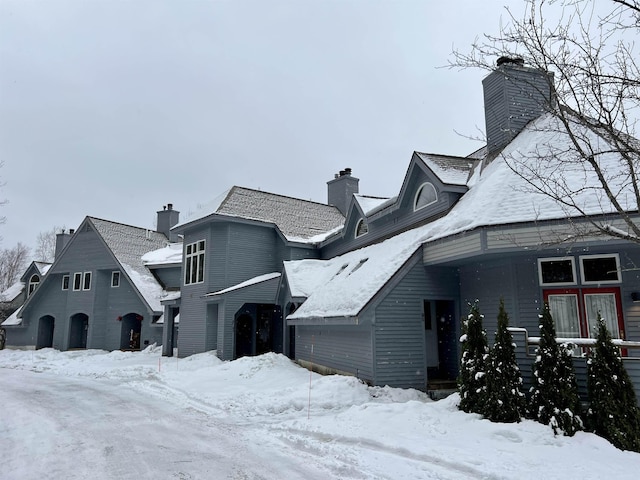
[[362, 262], [341, 269], [87, 228]]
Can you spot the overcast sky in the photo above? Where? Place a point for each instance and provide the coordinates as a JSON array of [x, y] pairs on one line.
[[114, 109]]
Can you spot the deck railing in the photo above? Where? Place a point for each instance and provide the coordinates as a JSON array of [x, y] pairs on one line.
[[526, 353]]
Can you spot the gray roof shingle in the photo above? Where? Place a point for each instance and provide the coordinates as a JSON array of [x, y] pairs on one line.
[[297, 219], [128, 245]]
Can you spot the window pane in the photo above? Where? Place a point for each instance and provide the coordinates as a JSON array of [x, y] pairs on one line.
[[87, 281], [605, 303], [557, 271], [426, 196], [65, 282], [77, 279], [201, 267], [187, 270], [564, 310], [600, 269]]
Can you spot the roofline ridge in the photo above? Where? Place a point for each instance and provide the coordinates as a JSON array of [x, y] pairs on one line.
[[125, 225], [284, 196]]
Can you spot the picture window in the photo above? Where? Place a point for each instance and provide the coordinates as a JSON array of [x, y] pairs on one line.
[[194, 263]]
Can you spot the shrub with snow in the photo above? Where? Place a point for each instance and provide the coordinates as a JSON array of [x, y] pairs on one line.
[[613, 412], [471, 381], [504, 400], [554, 397]]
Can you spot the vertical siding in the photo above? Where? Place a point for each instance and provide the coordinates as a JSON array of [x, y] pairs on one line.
[[400, 356], [488, 282], [346, 348], [193, 312], [235, 252]]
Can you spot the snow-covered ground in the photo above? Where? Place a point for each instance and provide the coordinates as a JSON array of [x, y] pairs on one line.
[[98, 415]]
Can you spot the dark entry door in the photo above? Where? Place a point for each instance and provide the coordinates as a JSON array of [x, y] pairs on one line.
[[130, 333], [244, 336], [78, 331], [45, 332]]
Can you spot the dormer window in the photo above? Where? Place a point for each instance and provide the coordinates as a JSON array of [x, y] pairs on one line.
[[425, 196], [362, 227], [33, 283]]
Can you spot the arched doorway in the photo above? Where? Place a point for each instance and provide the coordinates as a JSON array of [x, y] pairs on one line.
[[45, 332], [258, 329], [78, 329], [130, 331]]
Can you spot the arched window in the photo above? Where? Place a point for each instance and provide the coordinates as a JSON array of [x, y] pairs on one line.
[[33, 283], [425, 196], [361, 228]]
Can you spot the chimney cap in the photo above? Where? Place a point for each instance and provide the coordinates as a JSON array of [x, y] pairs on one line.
[[514, 60]]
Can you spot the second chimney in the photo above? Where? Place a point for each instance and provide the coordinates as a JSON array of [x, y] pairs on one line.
[[341, 189]]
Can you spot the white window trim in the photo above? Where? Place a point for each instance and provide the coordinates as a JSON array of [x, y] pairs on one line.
[[358, 224], [33, 285], [195, 254], [84, 276], [600, 282], [78, 275], [115, 274], [419, 191], [557, 259], [68, 282]]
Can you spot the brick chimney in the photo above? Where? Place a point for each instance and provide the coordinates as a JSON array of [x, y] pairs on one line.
[[168, 218], [514, 94], [341, 189]]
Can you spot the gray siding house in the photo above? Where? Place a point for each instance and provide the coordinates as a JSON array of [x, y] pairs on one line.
[[243, 236], [386, 299], [97, 293], [14, 297]]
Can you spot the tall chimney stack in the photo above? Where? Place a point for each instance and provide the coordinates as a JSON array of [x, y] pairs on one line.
[[514, 94], [341, 189], [168, 218]]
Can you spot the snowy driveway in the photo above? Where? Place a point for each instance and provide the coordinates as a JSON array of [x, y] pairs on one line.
[[98, 415], [59, 427]]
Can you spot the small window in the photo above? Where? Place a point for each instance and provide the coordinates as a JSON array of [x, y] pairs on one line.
[[77, 280], [425, 196], [86, 282], [65, 282], [361, 228], [194, 263], [557, 271], [33, 283], [597, 269], [115, 279]]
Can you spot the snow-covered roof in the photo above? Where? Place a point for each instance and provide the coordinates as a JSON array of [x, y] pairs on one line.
[[12, 292], [298, 220], [12, 320], [128, 245], [247, 283], [370, 204], [43, 267], [450, 170], [497, 195], [169, 255]]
